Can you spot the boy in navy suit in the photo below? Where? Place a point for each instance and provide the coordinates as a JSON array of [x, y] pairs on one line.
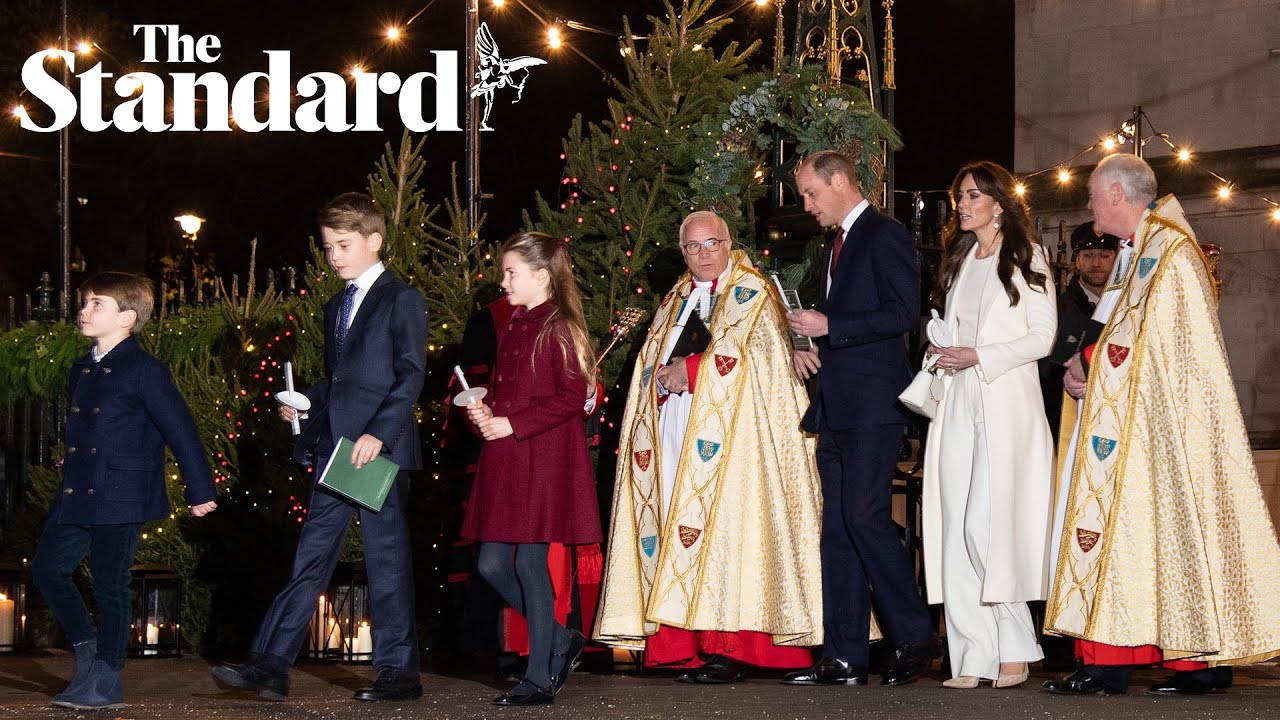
[[123, 409], [375, 358]]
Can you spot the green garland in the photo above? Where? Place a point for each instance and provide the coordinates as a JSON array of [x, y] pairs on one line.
[[803, 104]]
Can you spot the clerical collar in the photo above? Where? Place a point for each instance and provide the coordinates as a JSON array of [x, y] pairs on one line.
[[695, 283]]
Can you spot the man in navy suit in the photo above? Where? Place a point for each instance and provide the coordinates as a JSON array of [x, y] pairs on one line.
[[869, 300], [123, 408], [375, 357]]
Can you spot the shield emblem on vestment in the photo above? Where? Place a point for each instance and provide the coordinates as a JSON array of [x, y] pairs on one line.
[[725, 364], [1086, 539], [689, 536], [642, 459], [1102, 447], [707, 449]]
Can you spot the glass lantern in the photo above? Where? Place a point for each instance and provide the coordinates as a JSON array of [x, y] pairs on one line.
[[13, 609], [156, 625], [340, 628]]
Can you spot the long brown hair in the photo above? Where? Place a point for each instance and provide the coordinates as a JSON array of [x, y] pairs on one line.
[[543, 252], [1015, 222]]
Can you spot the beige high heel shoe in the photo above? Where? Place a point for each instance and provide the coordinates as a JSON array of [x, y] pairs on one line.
[[962, 682], [1012, 680]]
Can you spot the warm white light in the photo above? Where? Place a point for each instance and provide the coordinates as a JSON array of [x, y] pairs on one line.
[[84, 48], [697, 47], [761, 3], [190, 224], [553, 37], [1275, 214], [357, 70], [1184, 154], [19, 111], [1224, 192], [1064, 175], [499, 3], [1020, 189], [393, 33], [1108, 143]]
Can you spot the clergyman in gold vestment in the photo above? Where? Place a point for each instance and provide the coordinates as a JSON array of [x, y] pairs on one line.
[[1165, 551], [713, 560]]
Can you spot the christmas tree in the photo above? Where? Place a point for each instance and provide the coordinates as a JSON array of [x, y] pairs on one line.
[[625, 188]]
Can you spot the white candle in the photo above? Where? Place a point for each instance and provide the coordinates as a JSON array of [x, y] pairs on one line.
[[335, 637], [153, 638], [364, 641], [6, 620], [319, 624], [461, 378]]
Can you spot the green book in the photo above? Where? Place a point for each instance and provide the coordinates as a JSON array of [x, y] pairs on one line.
[[367, 486]]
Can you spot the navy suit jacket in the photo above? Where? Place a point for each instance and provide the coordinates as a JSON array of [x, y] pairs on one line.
[[373, 387], [873, 302], [122, 412]]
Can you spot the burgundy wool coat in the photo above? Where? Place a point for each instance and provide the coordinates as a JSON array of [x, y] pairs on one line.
[[536, 485]]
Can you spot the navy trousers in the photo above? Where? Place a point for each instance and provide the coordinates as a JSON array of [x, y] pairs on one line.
[[862, 555], [110, 549], [389, 568]]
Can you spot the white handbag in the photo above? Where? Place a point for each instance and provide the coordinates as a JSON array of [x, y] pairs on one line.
[[925, 391]]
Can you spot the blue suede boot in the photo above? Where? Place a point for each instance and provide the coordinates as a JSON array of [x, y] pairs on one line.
[[85, 653], [100, 690]]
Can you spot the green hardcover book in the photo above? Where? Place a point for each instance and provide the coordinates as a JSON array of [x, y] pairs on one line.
[[367, 486]]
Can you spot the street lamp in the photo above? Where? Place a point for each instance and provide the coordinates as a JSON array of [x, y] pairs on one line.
[[190, 225]]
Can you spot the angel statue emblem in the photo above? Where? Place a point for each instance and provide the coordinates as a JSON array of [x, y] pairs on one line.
[[495, 72]]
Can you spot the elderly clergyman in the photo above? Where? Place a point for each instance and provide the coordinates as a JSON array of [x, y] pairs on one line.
[[1166, 553], [714, 561]]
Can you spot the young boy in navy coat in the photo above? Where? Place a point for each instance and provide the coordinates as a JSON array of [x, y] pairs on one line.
[[375, 360], [123, 408]]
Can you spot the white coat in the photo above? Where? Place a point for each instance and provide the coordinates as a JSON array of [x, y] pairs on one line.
[[1019, 446]]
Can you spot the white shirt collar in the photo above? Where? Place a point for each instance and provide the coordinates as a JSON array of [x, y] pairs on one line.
[[853, 215], [368, 277], [1093, 298]]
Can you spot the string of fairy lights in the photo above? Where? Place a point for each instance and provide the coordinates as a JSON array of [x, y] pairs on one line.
[[1129, 133]]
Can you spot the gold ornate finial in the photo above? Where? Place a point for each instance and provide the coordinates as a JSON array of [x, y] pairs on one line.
[[889, 54]]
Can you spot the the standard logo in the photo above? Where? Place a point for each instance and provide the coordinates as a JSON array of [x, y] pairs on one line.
[[210, 102]]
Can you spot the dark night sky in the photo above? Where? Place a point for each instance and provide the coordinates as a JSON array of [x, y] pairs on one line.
[[954, 104]]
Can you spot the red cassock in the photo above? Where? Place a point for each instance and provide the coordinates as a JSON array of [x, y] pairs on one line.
[[537, 485], [673, 647], [1096, 653]]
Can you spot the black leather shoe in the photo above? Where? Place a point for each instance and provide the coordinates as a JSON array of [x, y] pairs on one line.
[[562, 662], [392, 685], [829, 671], [1081, 682], [908, 662], [526, 693], [717, 670], [254, 675], [1198, 682]]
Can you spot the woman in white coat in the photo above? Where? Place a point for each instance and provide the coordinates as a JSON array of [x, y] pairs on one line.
[[989, 456]]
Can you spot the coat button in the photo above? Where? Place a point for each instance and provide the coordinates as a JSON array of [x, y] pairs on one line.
[[68, 491], [93, 451], [85, 371], [71, 450], [89, 491], [75, 408], [106, 370], [95, 411]]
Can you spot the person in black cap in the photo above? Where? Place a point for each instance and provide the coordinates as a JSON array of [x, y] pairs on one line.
[[1094, 255]]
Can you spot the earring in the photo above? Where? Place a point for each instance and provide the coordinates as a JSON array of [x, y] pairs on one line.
[[995, 222]]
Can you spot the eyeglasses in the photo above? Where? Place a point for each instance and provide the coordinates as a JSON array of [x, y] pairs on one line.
[[710, 244]]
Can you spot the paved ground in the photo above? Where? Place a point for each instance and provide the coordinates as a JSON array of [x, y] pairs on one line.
[[183, 688]]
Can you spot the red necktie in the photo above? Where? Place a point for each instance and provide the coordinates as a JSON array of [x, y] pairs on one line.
[[835, 248]]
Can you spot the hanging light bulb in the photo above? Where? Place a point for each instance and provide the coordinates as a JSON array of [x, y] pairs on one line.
[[1275, 214], [1064, 175], [1224, 192], [553, 37], [1184, 154], [393, 33], [1108, 143], [1020, 189]]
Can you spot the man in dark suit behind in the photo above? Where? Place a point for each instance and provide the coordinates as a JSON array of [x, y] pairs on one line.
[[375, 358], [869, 300], [1094, 254]]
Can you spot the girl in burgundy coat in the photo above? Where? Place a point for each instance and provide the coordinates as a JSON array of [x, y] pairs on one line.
[[534, 483]]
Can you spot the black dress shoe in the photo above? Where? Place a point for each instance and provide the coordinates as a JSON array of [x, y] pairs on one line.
[[271, 684], [908, 662], [717, 670], [1081, 682], [829, 671], [526, 693], [1197, 682], [392, 685], [562, 662]]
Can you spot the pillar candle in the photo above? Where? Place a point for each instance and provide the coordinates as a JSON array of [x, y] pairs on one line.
[[6, 620], [364, 644]]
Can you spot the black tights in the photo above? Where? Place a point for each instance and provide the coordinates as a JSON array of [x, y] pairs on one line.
[[525, 585]]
